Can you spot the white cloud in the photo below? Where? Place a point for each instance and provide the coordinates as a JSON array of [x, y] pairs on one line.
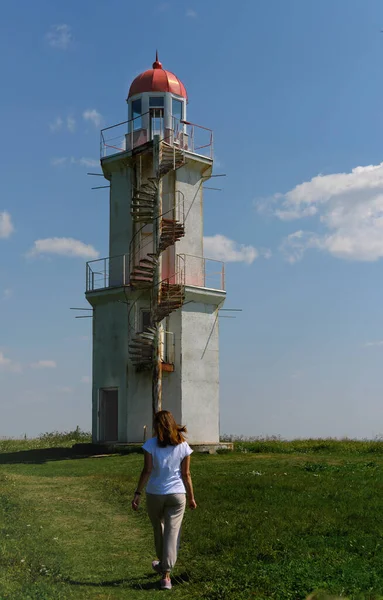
[[60, 36], [82, 162], [56, 125], [86, 162], [370, 344], [85, 379], [93, 116], [6, 364], [191, 13], [349, 211], [71, 124], [44, 364], [59, 162], [266, 253], [295, 245], [222, 248], [63, 247], [6, 226]]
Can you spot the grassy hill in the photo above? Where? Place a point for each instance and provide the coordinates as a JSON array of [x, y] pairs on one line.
[[275, 520]]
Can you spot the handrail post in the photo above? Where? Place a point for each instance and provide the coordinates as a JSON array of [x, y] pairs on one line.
[[124, 269], [105, 272]]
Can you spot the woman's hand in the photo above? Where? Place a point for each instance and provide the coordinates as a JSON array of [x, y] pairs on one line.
[[192, 504], [136, 501]]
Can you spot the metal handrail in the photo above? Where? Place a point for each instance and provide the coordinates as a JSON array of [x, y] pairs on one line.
[[180, 204], [179, 126], [204, 274]]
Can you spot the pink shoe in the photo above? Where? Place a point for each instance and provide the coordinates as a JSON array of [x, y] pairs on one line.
[[166, 584], [156, 566]]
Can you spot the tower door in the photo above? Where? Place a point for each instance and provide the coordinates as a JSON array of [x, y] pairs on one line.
[[108, 415], [156, 122]]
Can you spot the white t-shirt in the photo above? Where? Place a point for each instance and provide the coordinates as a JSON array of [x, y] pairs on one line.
[[166, 475]]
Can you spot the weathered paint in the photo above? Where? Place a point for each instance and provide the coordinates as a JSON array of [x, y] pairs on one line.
[[191, 392]]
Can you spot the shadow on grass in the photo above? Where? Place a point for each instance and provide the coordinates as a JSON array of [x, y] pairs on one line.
[[132, 583], [43, 455]]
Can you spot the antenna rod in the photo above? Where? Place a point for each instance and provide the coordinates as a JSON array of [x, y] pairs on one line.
[[75, 308], [96, 174], [210, 176], [100, 187]]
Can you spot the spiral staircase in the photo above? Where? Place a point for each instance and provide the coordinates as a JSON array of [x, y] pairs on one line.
[[166, 296]]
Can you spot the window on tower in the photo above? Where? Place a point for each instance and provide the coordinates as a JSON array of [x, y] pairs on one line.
[[177, 110], [156, 102], [136, 114]]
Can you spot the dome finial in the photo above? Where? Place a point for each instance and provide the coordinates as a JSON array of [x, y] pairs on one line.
[[157, 64]]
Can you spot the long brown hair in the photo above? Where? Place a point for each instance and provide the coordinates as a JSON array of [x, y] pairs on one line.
[[167, 430]]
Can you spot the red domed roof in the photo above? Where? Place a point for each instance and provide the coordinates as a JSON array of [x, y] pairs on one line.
[[157, 80]]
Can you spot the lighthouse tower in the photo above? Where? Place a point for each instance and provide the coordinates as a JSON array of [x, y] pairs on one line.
[[155, 298]]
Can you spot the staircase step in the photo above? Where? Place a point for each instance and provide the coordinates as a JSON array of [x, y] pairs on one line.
[[149, 193], [143, 268], [170, 230], [140, 279], [142, 202], [146, 335]]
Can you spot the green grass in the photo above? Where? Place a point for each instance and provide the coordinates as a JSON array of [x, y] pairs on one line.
[[275, 519]]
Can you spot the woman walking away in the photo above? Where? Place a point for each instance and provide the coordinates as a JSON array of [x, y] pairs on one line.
[[167, 467]]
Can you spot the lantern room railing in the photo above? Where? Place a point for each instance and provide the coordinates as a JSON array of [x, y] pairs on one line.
[[196, 271], [128, 135]]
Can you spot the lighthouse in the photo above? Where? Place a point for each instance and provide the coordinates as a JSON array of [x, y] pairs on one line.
[[155, 297]]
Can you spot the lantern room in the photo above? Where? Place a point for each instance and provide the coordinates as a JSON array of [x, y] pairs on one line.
[[156, 106]]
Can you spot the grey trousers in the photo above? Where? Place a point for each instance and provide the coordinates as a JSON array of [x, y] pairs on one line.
[[166, 513]]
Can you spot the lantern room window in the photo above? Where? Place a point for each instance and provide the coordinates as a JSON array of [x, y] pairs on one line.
[[177, 109], [156, 110], [136, 114], [156, 102]]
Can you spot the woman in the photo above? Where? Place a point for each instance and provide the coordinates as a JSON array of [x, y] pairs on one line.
[[167, 467]]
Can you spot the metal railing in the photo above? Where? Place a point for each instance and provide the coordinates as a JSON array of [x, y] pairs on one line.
[[204, 272], [141, 245], [109, 272], [192, 138], [190, 270], [127, 135]]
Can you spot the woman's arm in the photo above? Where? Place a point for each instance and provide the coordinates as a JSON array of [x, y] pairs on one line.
[[186, 477], [145, 474]]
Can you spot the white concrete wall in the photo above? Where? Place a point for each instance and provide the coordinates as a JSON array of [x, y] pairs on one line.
[[200, 372], [112, 366], [188, 181], [110, 356], [120, 226]]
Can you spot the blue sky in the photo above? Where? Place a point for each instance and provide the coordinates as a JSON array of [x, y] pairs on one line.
[[293, 92]]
